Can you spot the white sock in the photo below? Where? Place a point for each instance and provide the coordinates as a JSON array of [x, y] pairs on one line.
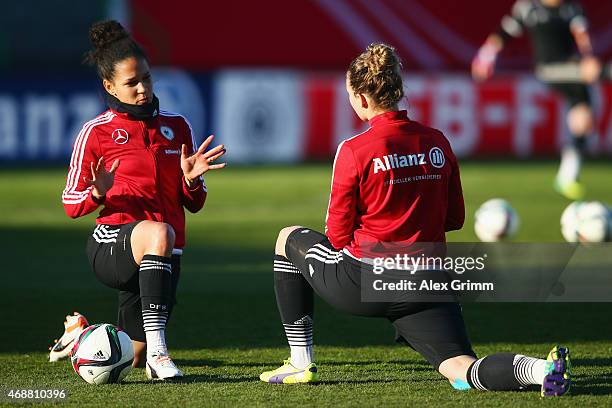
[[301, 356], [529, 370], [571, 163], [156, 342], [299, 336]]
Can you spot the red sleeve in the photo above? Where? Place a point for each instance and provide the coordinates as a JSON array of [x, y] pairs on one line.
[[194, 196], [341, 212], [455, 214], [77, 197]]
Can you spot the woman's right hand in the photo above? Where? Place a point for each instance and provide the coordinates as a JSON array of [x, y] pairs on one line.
[[590, 69], [101, 179]]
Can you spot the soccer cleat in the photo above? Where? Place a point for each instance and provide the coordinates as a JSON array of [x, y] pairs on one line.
[[559, 378], [161, 367], [571, 190], [288, 374], [73, 326]]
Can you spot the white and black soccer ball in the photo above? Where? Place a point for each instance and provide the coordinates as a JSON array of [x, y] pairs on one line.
[[102, 354], [496, 220], [586, 222], [569, 222]]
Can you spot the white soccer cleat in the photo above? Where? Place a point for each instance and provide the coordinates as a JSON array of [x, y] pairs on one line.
[[161, 367], [73, 326]]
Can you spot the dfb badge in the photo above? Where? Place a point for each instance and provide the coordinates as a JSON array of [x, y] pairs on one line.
[[167, 132]]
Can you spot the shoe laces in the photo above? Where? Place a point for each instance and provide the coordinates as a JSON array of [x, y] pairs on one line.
[[163, 360]]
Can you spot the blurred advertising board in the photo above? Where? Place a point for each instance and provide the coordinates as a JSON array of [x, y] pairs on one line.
[[268, 116]]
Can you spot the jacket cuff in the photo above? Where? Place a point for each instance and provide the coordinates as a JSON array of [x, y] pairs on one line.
[[194, 186], [97, 201]]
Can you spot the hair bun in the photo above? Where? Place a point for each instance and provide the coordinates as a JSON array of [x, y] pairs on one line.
[[104, 33], [383, 59], [377, 72]]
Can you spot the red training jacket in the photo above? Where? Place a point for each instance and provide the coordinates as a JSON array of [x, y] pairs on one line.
[[396, 182], [149, 183]]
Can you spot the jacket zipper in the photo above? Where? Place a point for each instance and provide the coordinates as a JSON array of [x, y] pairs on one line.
[[156, 168]]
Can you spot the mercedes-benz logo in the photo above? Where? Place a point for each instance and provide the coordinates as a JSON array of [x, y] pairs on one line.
[[120, 136]]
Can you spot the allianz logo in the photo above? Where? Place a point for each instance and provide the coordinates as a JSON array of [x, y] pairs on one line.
[[397, 161]]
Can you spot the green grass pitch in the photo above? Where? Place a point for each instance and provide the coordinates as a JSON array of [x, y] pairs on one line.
[[226, 329]]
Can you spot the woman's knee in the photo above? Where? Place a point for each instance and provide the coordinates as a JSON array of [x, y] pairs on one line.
[[282, 239], [580, 120], [155, 238]]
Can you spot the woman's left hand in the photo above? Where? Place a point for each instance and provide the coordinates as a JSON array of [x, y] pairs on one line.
[[199, 163]]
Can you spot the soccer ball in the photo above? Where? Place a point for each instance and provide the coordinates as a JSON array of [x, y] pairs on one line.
[[586, 222], [569, 222], [496, 220], [102, 354]]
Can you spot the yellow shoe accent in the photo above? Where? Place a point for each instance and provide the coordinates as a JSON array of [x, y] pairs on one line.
[[288, 374], [572, 190]]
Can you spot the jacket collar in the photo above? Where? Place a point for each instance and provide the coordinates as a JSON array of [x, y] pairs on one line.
[[134, 112]]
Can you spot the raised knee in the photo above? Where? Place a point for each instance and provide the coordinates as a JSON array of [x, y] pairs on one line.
[[287, 230], [166, 235], [162, 235], [282, 239], [580, 119]]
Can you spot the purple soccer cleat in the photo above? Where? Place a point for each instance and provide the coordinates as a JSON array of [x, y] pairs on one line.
[[559, 378]]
